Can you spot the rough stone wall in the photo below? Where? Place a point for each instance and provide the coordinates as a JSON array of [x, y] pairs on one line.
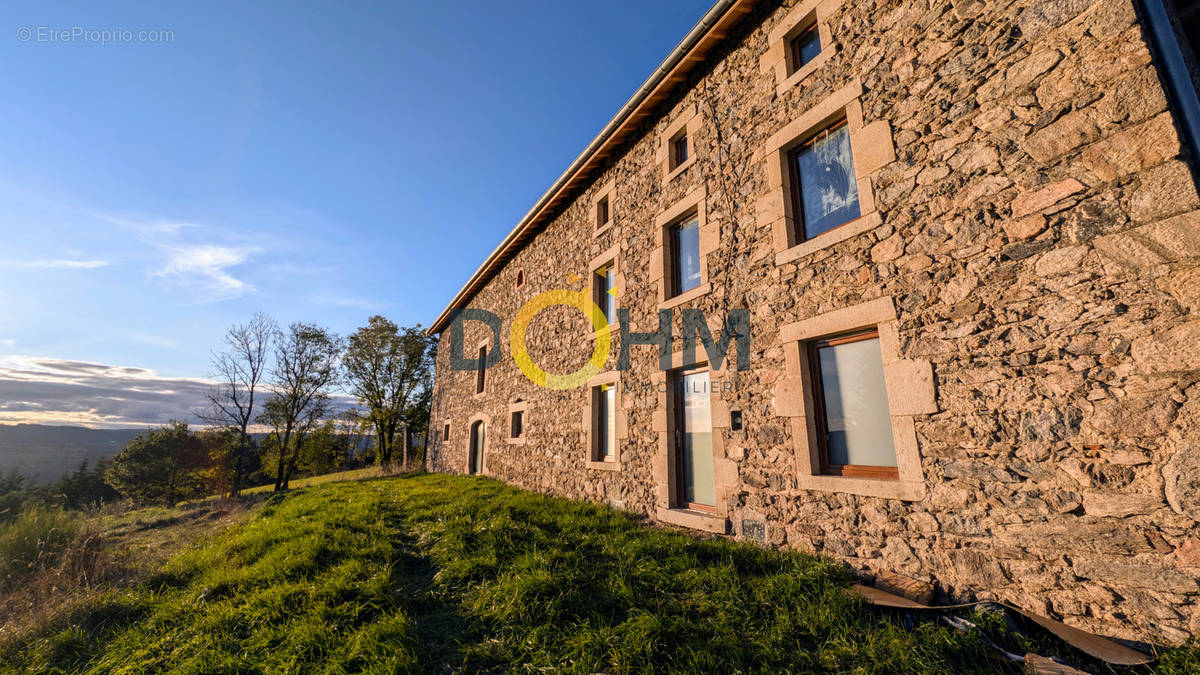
[[1041, 238]]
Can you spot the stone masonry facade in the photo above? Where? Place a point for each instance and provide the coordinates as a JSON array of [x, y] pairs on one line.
[[1029, 250]]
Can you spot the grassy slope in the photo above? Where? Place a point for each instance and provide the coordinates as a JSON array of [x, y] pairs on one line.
[[449, 573]]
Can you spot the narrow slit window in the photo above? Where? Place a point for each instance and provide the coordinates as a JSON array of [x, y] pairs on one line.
[[854, 426], [604, 423], [805, 47], [685, 249], [446, 433], [605, 292], [602, 214], [520, 278], [479, 374], [824, 186]]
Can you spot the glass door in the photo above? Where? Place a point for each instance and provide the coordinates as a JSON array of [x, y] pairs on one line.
[[693, 434]]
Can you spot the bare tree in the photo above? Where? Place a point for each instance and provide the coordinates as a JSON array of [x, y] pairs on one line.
[[239, 370], [387, 368], [305, 370]]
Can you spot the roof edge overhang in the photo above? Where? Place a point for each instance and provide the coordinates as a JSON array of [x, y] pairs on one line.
[[689, 54]]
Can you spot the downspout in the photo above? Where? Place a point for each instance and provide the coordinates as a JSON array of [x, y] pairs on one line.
[[1174, 72]]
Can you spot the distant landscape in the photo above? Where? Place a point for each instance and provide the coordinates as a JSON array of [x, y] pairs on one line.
[[44, 453]]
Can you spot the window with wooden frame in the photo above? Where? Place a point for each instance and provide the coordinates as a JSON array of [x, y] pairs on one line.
[[679, 149], [824, 186], [516, 426], [479, 374], [604, 290], [854, 425], [602, 215], [804, 46], [685, 255], [604, 423], [695, 477]]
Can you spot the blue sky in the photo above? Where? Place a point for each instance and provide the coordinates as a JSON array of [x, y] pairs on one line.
[[318, 161]]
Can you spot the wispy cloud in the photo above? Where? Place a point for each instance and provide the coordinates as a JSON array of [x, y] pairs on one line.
[[342, 300], [62, 264], [7, 343], [207, 265]]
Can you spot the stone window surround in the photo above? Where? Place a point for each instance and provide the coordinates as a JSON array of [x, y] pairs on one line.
[[609, 257], [487, 425], [778, 57], [688, 120], [520, 279], [664, 469], [608, 190], [522, 407], [910, 393], [446, 433], [486, 342], [872, 148], [589, 420], [662, 266]]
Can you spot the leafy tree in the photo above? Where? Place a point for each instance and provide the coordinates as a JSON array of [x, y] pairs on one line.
[[162, 465], [389, 370], [85, 487], [305, 370], [231, 403]]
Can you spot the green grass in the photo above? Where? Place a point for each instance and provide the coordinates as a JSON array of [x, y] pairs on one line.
[[32, 541], [455, 574], [353, 474]]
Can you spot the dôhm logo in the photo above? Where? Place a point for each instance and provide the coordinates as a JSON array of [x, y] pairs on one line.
[[735, 330]]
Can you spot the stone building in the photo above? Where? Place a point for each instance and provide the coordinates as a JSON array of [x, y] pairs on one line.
[[965, 237]]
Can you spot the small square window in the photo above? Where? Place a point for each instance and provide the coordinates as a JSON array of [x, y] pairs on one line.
[[517, 424], [804, 47], [823, 182], [679, 149], [685, 256], [604, 291], [604, 423], [602, 214], [854, 426]]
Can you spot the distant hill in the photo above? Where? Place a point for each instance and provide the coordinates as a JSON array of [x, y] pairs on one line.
[[47, 452]]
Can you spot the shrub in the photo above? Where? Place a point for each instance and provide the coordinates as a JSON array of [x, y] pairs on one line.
[[34, 540]]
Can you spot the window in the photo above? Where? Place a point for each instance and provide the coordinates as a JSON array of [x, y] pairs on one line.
[[685, 256], [824, 186], [694, 470], [854, 425], [446, 433], [604, 423], [602, 213], [475, 457], [604, 291], [516, 428], [679, 149], [520, 278], [804, 47], [482, 368]]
